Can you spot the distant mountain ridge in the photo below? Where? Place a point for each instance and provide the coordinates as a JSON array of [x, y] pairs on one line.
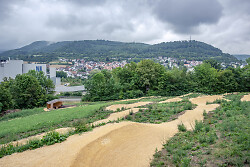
[[242, 56], [101, 49]]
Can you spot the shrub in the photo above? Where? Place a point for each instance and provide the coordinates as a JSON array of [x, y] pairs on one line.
[[198, 126], [81, 126], [182, 128], [188, 106], [53, 137]]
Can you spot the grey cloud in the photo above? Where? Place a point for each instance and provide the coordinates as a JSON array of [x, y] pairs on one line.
[[6, 8], [185, 15], [222, 23], [64, 22], [87, 2]]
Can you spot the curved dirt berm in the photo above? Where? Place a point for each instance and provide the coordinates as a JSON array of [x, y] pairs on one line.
[[126, 106], [246, 98], [120, 144]]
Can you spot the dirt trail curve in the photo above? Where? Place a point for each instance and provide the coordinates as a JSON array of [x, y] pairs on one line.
[[246, 98], [118, 144]]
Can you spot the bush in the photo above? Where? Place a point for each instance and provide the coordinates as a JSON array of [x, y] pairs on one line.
[[182, 128], [198, 126], [1, 105], [53, 137], [81, 126]]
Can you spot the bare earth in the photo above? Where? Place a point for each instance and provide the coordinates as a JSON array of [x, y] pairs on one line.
[[176, 99], [246, 98], [119, 144]]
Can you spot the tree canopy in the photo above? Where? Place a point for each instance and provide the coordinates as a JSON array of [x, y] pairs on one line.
[[150, 78]]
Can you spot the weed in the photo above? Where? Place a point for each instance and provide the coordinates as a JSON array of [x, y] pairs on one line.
[[81, 126], [182, 128], [52, 138], [198, 126]]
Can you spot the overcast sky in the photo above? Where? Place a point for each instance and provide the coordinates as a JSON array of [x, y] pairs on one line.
[[223, 23]]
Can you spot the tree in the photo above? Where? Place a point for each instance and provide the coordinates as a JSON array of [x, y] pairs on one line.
[[5, 98], [46, 83], [206, 78], [61, 74], [102, 86], [126, 76], [148, 74], [215, 64], [227, 81], [174, 82], [27, 92]]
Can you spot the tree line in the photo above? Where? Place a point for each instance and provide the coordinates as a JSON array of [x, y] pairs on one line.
[[29, 90], [150, 78]]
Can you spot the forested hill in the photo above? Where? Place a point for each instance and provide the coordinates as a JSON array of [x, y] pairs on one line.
[[101, 49], [242, 57]]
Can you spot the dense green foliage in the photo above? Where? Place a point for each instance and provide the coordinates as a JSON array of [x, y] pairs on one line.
[[150, 78], [222, 139], [43, 51], [61, 74], [29, 90], [77, 81], [48, 139]]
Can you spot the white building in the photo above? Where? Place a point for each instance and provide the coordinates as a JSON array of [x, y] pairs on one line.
[[11, 68]]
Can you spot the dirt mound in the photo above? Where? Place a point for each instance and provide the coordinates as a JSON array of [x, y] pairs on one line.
[[117, 115], [126, 106], [176, 99], [39, 136], [246, 98], [119, 144]]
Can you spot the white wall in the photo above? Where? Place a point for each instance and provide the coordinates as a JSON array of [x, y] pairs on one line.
[[11, 68], [52, 72], [56, 80], [36, 67]]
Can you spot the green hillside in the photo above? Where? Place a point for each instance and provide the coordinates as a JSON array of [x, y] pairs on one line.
[[45, 51], [242, 57]]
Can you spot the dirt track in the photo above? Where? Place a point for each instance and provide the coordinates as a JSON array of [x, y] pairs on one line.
[[119, 144], [246, 98]]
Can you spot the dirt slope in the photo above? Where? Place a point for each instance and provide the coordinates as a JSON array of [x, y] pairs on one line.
[[246, 98], [121, 144]]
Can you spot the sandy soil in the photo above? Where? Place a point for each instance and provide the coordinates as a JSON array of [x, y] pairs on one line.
[[39, 136], [127, 106], [119, 144], [172, 100], [246, 98], [117, 115]]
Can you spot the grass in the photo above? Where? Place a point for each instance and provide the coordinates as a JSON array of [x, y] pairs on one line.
[[222, 139], [48, 139], [160, 112], [22, 113], [32, 124], [22, 124]]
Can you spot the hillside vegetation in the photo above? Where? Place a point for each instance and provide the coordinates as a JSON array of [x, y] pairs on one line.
[[222, 139], [44, 51], [150, 78]]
